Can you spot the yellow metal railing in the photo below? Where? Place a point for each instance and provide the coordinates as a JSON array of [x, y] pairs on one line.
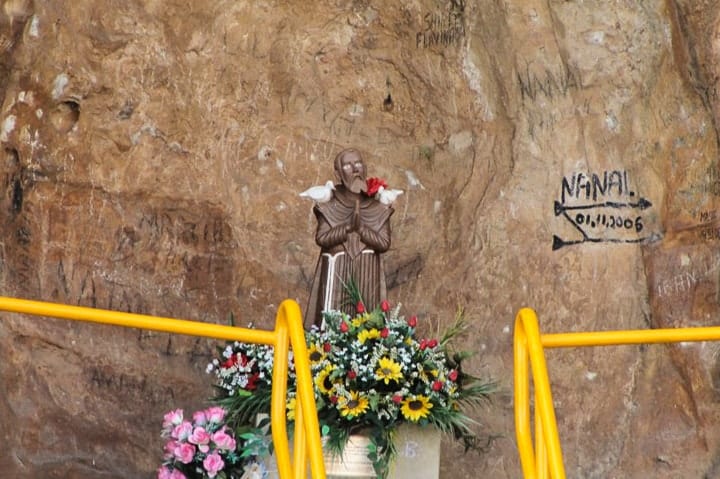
[[545, 460], [288, 331]]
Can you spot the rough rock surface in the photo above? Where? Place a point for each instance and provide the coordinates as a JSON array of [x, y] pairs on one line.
[[559, 154]]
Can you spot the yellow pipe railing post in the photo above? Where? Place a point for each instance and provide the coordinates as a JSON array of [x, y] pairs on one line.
[[305, 395], [526, 322], [541, 453], [522, 401], [278, 422], [299, 452]]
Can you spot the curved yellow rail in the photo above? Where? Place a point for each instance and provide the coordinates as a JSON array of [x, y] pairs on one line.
[[289, 323], [545, 460], [288, 331], [527, 347]]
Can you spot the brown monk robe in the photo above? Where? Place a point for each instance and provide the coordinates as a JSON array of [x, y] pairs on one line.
[[353, 230]]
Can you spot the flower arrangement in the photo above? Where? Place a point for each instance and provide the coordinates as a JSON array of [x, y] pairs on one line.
[[371, 374], [206, 448], [243, 374]]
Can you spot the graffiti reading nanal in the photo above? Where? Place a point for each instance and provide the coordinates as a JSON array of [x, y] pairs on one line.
[[603, 208], [548, 83]]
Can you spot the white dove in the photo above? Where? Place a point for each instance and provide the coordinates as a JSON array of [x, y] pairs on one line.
[[388, 197], [320, 194]]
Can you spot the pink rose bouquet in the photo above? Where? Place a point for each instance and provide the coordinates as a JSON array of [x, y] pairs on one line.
[[205, 447]]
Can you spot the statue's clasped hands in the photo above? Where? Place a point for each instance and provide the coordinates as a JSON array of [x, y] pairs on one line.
[[354, 223]]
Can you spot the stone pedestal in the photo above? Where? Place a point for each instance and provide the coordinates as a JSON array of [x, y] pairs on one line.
[[418, 457], [418, 451], [353, 463]]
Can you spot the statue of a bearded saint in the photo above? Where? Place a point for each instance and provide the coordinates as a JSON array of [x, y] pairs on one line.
[[353, 230]]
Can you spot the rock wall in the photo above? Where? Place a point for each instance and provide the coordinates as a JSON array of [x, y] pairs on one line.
[[560, 155]]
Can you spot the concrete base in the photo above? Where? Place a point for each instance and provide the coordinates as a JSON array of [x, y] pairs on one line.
[[418, 457]]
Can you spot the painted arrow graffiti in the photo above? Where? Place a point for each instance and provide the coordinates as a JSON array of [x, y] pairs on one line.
[[606, 222]]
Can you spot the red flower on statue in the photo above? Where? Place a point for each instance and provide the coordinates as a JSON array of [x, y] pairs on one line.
[[374, 184]]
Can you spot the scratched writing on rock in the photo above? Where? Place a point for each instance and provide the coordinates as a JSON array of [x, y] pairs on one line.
[[193, 230], [548, 83], [707, 181], [128, 386], [442, 28], [708, 230], [685, 281]]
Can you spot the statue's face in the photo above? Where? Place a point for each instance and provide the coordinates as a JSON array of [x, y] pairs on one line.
[[352, 172]]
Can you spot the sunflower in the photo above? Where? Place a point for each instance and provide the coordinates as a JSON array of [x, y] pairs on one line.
[[415, 408], [323, 381], [359, 320], [291, 409], [428, 375], [354, 406], [388, 370], [315, 354], [366, 334]]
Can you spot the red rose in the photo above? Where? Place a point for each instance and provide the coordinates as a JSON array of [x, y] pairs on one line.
[[385, 306], [397, 399], [360, 308], [385, 332], [327, 347], [453, 375], [334, 399], [412, 322], [344, 327], [423, 344], [432, 343], [252, 382], [352, 374], [437, 385], [230, 362], [374, 184]]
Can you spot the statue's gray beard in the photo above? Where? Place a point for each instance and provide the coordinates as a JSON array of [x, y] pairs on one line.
[[357, 185]]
